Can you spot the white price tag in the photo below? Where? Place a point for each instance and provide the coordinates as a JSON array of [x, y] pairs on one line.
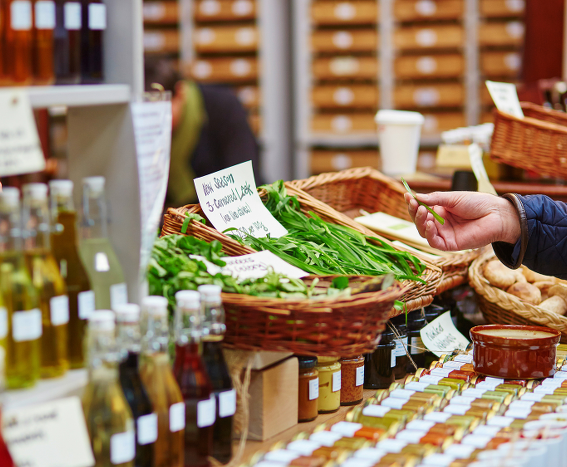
[[420, 425], [371, 454], [456, 409], [118, 295], [303, 446], [59, 310], [177, 417], [411, 436], [505, 97], [416, 346], [430, 379], [521, 414], [452, 364], [415, 386], [393, 403], [533, 396], [443, 372], [441, 336], [122, 447], [437, 417], [360, 376], [404, 394], [21, 15], [476, 441], [544, 390], [97, 16], [474, 392], [227, 403], [26, 325], [521, 405], [314, 389], [45, 14], [375, 411], [500, 421], [72, 16], [282, 456], [86, 304], [147, 429], [489, 385], [462, 400], [325, 438], [347, 429], [463, 358], [392, 445], [560, 375], [336, 381], [460, 451], [487, 430], [3, 323], [551, 382], [206, 412]]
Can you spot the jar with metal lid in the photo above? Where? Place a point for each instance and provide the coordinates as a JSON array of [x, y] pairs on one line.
[[352, 380], [402, 348], [329, 399], [416, 322], [379, 365], [308, 389]]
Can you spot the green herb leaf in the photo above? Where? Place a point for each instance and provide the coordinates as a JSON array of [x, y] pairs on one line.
[[340, 282], [438, 218]]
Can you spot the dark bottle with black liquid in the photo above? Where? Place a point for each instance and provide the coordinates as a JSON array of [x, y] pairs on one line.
[[379, 365], [402, 348], [416, 321], [92, 32], [67, 42]]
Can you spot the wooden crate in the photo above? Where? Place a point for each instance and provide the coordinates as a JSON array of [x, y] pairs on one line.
[[500, 64], [502, 8], [437, 122], [229, 70], [433, 37], [324, 12], [362, 40], [224, 10], [434, 95], [249, 96], [344, 124], [227, 39], [163, 41], [161, 12], [429, 66], [418, 10], [349, 96], [333, 160], [510, 33], [346, 67]]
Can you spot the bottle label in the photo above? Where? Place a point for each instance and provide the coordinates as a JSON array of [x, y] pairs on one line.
[[59, 310], [72, 15], [86, 302], [336, 381], [360, 376], [21, 15], [97, 16], [177, 417], [227, 403], [393, 358], [401, 345], [206, 412], [26, 325], [101, 263], [122, 447], [118, 295], [44, 14], [416, 346], [147, 428], [3, 323], [314, 389]]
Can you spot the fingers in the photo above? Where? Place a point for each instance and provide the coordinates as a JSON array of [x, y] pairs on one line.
[[446, 199], [433, 237], [421, 218]]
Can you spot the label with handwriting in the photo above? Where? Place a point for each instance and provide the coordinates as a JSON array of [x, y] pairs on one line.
[[505, 97], [441, 336]]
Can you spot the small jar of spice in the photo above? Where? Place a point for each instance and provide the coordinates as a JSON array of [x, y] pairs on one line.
[[329, 384], [308, 389], [352, 380]]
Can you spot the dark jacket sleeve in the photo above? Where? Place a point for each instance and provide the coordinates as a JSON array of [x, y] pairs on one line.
[[542, 246]]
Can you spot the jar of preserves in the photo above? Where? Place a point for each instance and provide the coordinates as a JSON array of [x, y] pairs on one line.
[[379, 365], [329, 399], [402, 348], [308, 389], [352, 380], [416, 321]]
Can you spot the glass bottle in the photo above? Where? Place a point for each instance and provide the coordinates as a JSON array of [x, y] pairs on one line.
[[107, 414], [416, 321], [308, 389], [47, 280], [4, 78], [98, 256], [92, 31], [194, 382], [18, 41], [20, 297], [161, 386], [379, 365], [329, 368], [217, 369], [129, 341], [44, 25], [67, 42], [402, 348], [352, 379], [65, 251]]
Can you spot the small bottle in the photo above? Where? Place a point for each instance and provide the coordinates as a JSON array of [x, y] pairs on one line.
[[98, 256], [92, 32], [47, 280], [217, 369], [145, 419], [67, 43], [402, 348], [107, 414], [308, 389], [44, 26], [161, 386], [416, 322], [379, 365], [194, 382], [65, 250], [18, 36], [329, 368]]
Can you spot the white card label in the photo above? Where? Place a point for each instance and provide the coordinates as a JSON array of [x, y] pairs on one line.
[[463, 358], [444, 372], [86, 303], [206, 412], [227, 403], [336, 381], [518, 413], [26, 325], [118, 295], [487, 430], [462, 400], [476, 441], [347, 429], [460, 451], [147, 429], [177, 417], [122, 447], [474, 392], [415, 386], [532, 396], [560, 375], [416, 346], [21, 15], [523, 404], [59, 310], [544, 390], [72, 16], [230, 200], [438, 417], [404, 394], [411, 436], [303, 446], [97, 16], [441, 336], [45, 14], [371, 454], [393, 403], [360, 376], [3, 323], [452, 364], [456, 409], [500, 421], [489, 385], [325, 438], [314, 389], [392, 445], [430, 379], [420, 425], [281, 455], [505, 97], [375, 410]]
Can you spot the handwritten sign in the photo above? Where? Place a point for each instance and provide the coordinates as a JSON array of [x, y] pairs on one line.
[[441, 336], [20, 149], [477, 164], [505, 97], [48, 435], [230, 200]]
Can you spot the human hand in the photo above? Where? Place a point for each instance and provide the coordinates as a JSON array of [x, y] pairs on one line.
[[472, 219]]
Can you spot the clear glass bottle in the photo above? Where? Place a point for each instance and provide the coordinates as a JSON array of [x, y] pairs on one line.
[[98, 256], [20, 297], [92, 32], [217, 369], [129, 342], [160, 383], [18, 38], [47, 280], [194, 382], [44, 26], [107, 414], [67, 42]]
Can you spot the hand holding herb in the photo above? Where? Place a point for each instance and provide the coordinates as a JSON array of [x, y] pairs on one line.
[[438, 218]]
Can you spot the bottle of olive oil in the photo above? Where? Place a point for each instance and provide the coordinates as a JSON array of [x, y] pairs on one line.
[[20, 298], [107, 414], [160, 383], [97, 254], [47, 280], [65, 250]]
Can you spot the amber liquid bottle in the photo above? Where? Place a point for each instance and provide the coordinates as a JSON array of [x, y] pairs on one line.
[[44, 24], [67, 42], [193, 381], [92, 32], [18, 58]]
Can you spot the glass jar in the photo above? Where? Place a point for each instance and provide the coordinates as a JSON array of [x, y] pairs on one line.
[[329, 399], [352, 380], [379, 365], [308, 389], [402, 360], [416, 322]]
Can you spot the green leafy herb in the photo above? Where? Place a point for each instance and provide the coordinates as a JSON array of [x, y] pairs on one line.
[[189, 218], [438, 218]]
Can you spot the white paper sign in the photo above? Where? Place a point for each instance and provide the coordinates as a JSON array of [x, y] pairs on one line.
[[441, 336], [48, 435], [505, 97], [230, 200]]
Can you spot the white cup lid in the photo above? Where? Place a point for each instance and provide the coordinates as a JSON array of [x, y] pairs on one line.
[[398, 117]]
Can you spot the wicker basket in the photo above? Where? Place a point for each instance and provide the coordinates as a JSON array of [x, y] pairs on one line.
[[536, 142], [365, 188], [500, 307]]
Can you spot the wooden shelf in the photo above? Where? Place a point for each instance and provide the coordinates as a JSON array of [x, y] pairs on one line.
[[78, 95]]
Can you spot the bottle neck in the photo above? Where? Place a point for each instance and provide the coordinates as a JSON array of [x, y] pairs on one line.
[[128, 338], [155, 332], [94, 222], [213, 318], [36, 224], [10, 229], [102, 351], [187, 326]]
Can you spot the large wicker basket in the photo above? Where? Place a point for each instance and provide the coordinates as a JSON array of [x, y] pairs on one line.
[[536, 142], [353, 190]]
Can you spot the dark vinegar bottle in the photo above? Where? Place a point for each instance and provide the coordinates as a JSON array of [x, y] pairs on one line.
[[5, 457], [44, 24], [92, 31], [4, 78], [67, 42], [18, 58]]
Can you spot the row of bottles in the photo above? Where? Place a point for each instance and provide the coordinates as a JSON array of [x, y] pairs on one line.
[[51, 41]]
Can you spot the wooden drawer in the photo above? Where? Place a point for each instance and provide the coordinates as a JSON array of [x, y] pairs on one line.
[[351, 12], [224, 10], [434, 37], [436, 95], [502, 8], [161, 41], [356, 96], [225, 39], [255, 122], [161, 13], [500, 64], [429, 66], [346, 68], [437, 122], [249, 96], [343, 124], [339, 41], [332, 161], [510, 33], [418, 10], [232, 70]]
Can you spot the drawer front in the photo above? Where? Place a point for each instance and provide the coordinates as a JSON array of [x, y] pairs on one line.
[[437, 122], [429, 66], [341, 41], [356, 96], [224, 10], [249, 96], [331, 161], [255, 122], [409, 96], [161, 41], [161, 13], [510, 33], [502, 8], [343, 124], [346, 68], [435, 37], [501, 64], [419, 10], [351, 12], [231, 70], [225, 39]]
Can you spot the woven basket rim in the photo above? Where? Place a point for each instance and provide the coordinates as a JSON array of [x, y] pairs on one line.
[[531, 121]]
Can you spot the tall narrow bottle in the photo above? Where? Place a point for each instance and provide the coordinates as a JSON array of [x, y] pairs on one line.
[[65, 250], [146, 422], [94, 24], [44, 25], [97, 254], [107, 414], [5, 457], [20, 297], [47, 280], [67, 42], [4, 79], [160, 383], [19, 41], [193, 380], [217, 369]]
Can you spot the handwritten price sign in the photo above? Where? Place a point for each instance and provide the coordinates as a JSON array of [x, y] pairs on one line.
[[442, 337]]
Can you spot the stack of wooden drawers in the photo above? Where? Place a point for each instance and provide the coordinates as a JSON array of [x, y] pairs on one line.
[[161, 33]]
